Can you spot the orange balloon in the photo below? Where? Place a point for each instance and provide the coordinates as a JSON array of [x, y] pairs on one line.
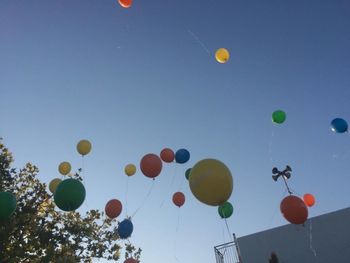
[[113, 208], [294, 209], [309, 200], [179, 199], [125, 3], [131, 260], [151, 165], [167, 155]]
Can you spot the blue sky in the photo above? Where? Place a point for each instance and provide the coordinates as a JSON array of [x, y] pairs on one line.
[[134, 81]]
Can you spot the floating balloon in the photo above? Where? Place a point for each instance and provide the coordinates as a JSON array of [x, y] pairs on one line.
[[179, 199], [64, 168], [309, 199], [339, 125], [167, 155], [294, 209], [53, 185], [151, 165], [125, 228], [182, 156], [125, 3], [69, 195], [188, 173], [211, 182], [222, 55], [225, 210], [8, 205], [130, 169], [84, 147], [131, 260], [279, 116], [113, 208]]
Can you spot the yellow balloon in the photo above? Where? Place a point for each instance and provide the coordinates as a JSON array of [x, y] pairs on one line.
[[222, 55], [64, 168], [130, 169], [53, 184], [211, 182], [84, 147]]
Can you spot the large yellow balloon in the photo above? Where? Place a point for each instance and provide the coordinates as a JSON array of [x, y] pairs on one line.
[[130, 169], [84, 147], [211, 182], [53, 184], [222, 55], [64, 168]]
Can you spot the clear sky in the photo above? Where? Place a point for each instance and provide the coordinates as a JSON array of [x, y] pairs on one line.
[[134, 81]]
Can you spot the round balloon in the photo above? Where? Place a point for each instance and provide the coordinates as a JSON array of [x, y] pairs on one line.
[[182, 156], [151, 165], [309, 199], [130, 170], [53, 184], [294, 209], [84, 147], [225, 210], [69, 195], [167, 155], [339, 125], [188, 173], [8, 205], [211, 182], [113, 208], [125, 228], [64, 168], [222, 55], [279, 116], [179, 199], [125, 3], [131, 260]]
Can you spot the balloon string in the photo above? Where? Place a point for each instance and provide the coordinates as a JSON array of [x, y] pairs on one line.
[[310, 240], [228, 230], [199, 41], [170, 185], [145, 199], [176, 235], [270, 145], [126, 196], [274, 214]]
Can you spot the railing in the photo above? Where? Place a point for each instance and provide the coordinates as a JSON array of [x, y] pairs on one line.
[[228, 252]]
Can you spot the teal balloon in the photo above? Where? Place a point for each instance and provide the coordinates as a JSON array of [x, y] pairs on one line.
[[188, 173], [279, 116], [225, 210], [69, 195], [8, 205]]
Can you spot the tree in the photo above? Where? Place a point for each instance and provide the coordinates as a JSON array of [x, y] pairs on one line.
[[39, 232]]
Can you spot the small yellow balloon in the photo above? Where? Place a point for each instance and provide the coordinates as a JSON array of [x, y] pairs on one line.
[[222, 55], [64, 168], [211, 182], [130, 169], [53, 184], [84, 147]]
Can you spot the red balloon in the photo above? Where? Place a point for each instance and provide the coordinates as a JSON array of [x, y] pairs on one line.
[[113, 208], [179, 199], [309, 200], [125, 3], [131, 260], [294, 209], [151, 165], [167, 155]]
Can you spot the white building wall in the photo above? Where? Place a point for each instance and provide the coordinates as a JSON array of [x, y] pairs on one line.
[[323, 239]]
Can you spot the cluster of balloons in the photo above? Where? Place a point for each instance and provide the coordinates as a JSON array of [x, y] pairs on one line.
[[339, 125], [8, 205]]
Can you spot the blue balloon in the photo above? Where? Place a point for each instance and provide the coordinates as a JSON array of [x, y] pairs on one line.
[[339, 125], [125, 229], [182, 156]]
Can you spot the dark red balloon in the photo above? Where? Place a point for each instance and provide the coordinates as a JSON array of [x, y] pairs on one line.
[[113, 208], [179, 199], [294, 209], [131, 260], [167, 155], [151, 165]]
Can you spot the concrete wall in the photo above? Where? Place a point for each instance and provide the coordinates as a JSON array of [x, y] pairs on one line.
[[323, 239]]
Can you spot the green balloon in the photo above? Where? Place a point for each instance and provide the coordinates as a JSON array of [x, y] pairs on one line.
[[69, 195], [188, 173], [8, 205], [279, 116], [225, 210]]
